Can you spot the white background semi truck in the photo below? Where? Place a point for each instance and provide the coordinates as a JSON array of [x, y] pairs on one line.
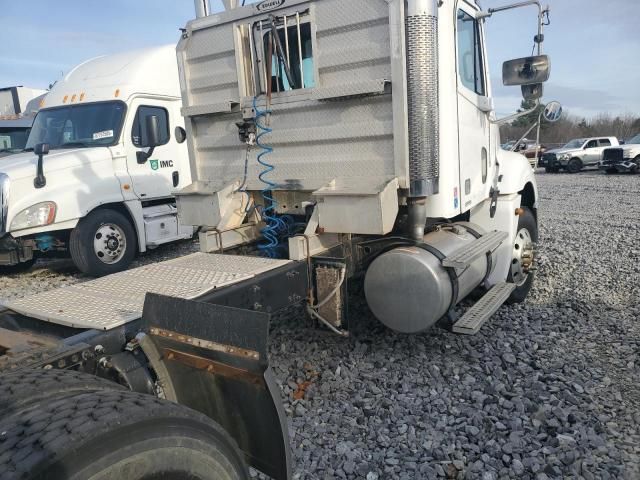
[[18, 106], [81, 186], [357, 141]]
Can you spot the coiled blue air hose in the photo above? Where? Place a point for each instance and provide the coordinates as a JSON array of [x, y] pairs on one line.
[[275, 226]]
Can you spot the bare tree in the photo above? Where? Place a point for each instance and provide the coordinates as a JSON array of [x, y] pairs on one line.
[[570, 127]]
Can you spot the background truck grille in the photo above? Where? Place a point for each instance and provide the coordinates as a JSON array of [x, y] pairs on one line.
[[548, 158], [612, 154], [4, 202]]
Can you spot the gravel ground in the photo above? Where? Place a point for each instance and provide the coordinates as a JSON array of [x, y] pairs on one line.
[[549, 389]]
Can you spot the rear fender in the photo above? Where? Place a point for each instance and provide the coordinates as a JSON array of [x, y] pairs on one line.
[[213, 358]]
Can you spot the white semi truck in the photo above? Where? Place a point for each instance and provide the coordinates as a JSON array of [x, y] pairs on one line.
[[18, 107], [88, 183], [356, 141]]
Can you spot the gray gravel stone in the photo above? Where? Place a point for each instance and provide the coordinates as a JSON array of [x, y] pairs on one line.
[[547, 389]]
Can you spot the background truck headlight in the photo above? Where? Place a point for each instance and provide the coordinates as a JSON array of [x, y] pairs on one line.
[[565, 157], [37, 215]]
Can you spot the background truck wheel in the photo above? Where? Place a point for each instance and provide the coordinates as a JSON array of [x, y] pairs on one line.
[[24, 389], [574, 165], [103, 243], [523, 256], [116, 434]]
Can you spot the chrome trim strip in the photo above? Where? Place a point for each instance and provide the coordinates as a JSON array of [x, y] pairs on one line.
[[4, 202]]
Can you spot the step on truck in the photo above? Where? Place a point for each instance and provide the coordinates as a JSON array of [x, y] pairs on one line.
[[333, 144], [91, 183]]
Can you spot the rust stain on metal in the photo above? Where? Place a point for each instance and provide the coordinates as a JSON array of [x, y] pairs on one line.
[[206, 344], [212, 366]]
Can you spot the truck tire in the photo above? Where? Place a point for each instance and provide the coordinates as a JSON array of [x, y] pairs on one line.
[[574, 165], [116, 435], [527, 232], [104, 242], [24, 389]]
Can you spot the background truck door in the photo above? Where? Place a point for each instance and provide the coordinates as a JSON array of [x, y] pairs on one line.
[[592, 153], [154, 178], [473, 109]]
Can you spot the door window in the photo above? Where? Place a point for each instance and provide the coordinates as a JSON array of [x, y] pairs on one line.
[[592, 144], [470, 64], [605, 142], [139, 131]]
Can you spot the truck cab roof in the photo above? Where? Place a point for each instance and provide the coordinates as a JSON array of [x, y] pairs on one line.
[[118, 77]]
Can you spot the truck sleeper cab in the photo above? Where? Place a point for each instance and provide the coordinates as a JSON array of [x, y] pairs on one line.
[[94, 181]]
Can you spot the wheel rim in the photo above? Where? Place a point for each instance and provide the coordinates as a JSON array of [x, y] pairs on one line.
[[523, 256], [109, 243]]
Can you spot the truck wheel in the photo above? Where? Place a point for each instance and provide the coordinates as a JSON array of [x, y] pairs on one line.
[[574, 165], [21, 390], [116, 435], [104, 242], [523, 256]]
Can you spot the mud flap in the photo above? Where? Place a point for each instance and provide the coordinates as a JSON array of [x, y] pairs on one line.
[[213, 358]]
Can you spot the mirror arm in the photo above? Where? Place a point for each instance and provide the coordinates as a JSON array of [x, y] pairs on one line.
[[489, 13], [502, 121], [142, 156], [40, 181]]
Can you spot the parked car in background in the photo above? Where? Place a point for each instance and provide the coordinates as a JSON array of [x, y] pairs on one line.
[[624, 159], [577, 154], [527, 148]]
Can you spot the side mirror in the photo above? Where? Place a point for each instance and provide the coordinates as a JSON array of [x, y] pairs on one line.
[[152, 125], [526, 71], [40, 149], [532, 92]]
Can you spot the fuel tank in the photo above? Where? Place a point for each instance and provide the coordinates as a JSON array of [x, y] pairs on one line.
[[409, 290]]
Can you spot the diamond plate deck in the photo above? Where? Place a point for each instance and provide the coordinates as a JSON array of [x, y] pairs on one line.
[[467, 255], [482, 310], [112, 301]]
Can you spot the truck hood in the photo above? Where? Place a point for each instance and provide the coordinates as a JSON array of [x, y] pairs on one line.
[[562, 151], [23, 165], [633, 149]]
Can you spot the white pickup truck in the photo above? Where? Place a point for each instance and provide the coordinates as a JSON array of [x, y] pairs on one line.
[[577, 154], [102, 159]]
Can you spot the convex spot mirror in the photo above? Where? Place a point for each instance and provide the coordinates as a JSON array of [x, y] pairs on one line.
[[526, 71], [552, 112]]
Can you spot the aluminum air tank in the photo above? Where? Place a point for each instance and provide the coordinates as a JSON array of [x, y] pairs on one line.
[[409, 290]]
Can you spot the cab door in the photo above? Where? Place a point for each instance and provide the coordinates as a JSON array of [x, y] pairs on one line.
[[592, 153], [474, 108], [155, 178]]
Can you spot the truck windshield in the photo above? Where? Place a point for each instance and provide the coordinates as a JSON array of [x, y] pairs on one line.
[[634, 140], [12, 139], [78, 126], [575, 143]]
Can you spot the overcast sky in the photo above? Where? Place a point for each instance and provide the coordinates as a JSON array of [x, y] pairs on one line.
[[594, 44]]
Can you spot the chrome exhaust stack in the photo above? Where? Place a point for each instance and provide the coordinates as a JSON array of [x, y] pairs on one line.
[[423, 109], [202, 8]]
